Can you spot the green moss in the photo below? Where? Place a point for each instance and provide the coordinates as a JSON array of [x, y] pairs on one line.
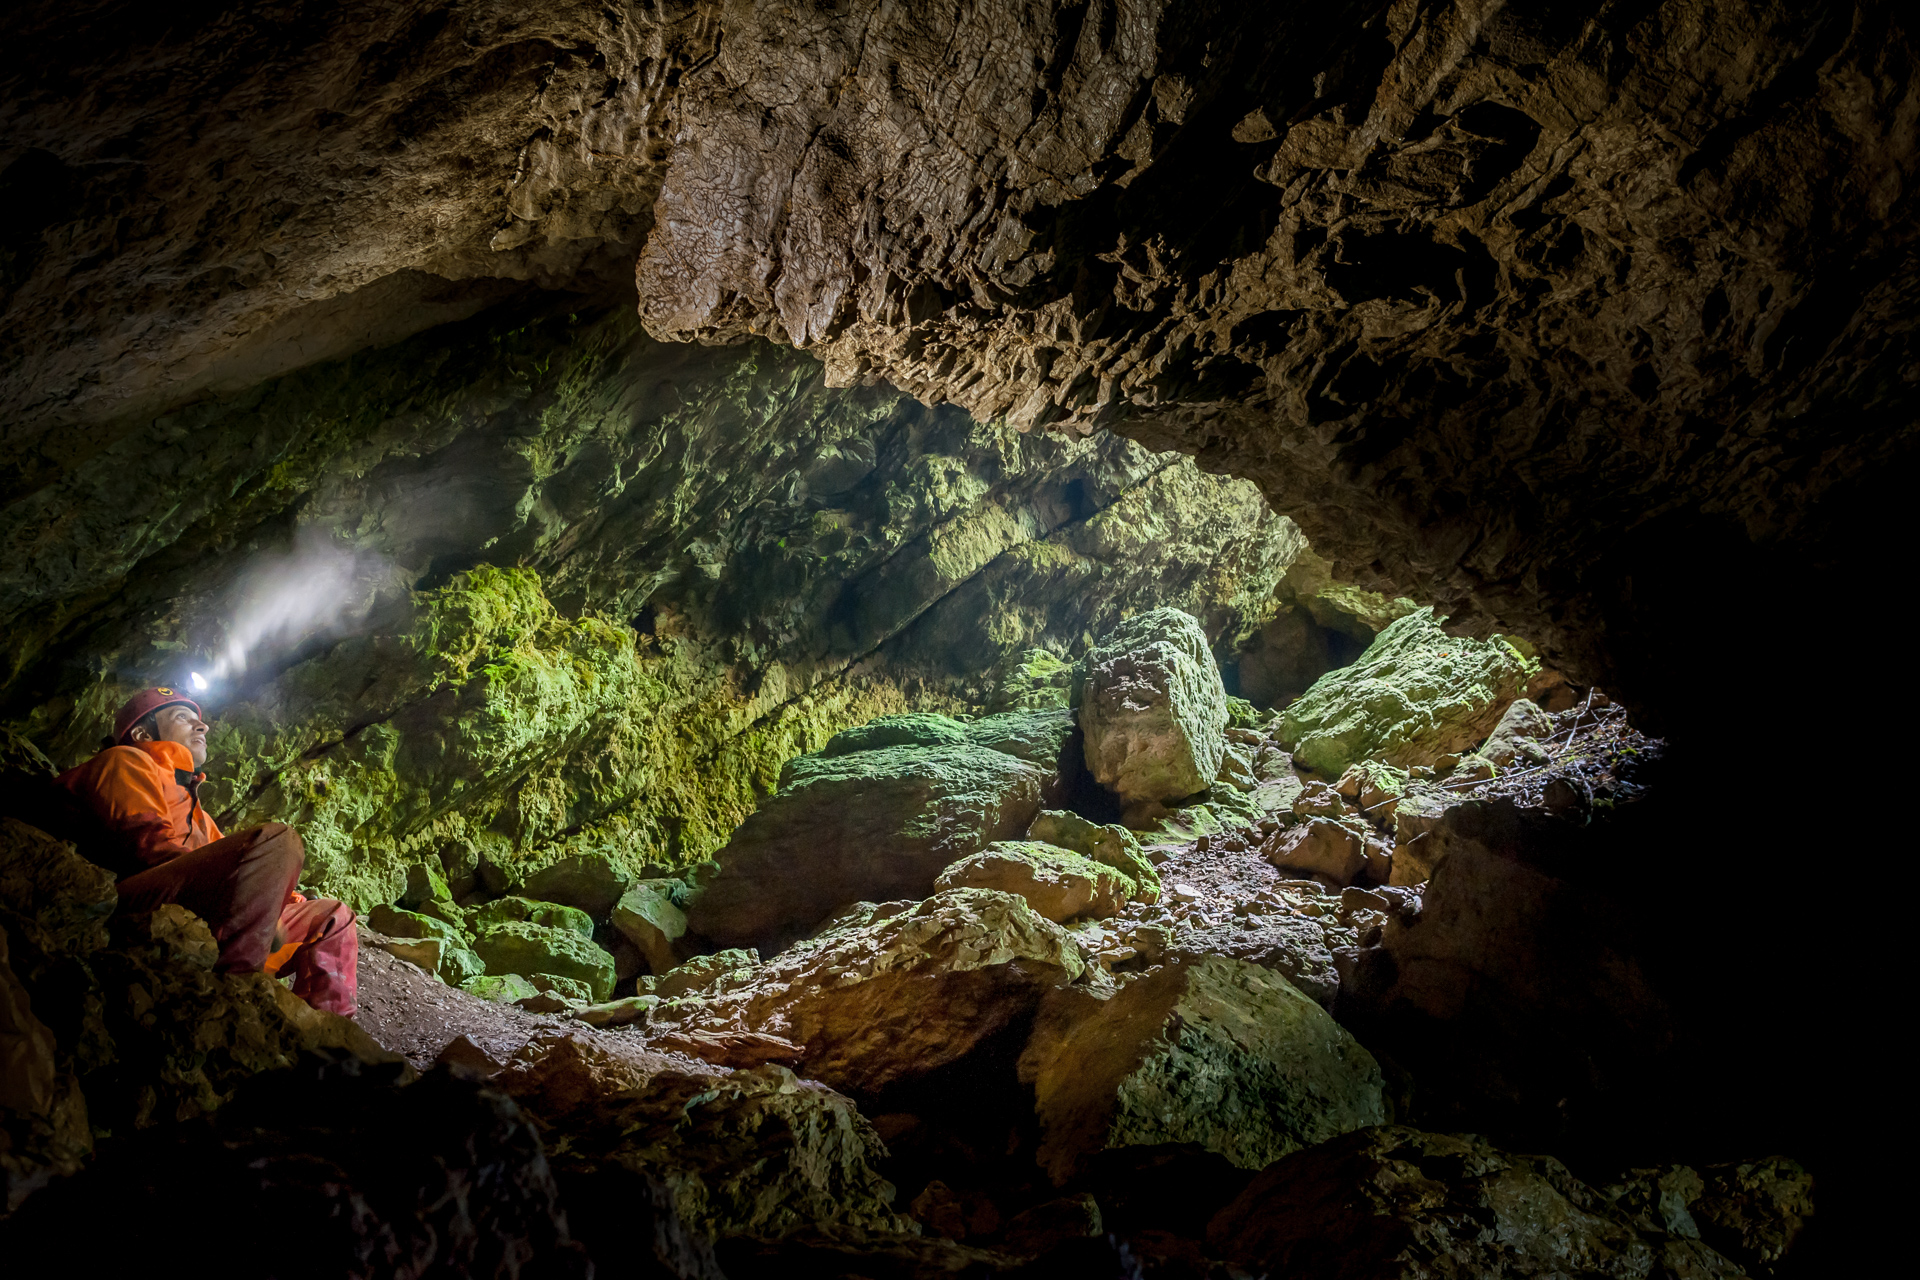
[[1415, 695]]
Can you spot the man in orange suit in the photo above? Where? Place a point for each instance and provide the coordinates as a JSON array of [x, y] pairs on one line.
[[145, 790]]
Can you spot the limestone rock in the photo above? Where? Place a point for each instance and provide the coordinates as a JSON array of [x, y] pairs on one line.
[[1393, 1203], [1153, 709], [1321, 847], [1754, 1211], [309, 1158], [425, 884], [47, 881], [1048, 739], [756, 1153], [647, 917], [900, 989], [1032, 680], [1516, 739], [522, 947], [1220, 1053], [1057, 883], [1415, 695], [503, 988], [552, 915], [916, 729], [702, 972], [1109, 844], [1525, 950], [397, 922], [590, 882], [451, 962], [872, 825]]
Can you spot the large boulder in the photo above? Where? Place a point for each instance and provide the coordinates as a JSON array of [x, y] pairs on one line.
[[590, 882], [1220, 1053], [1415, 695], [871, 825], [1153, 708], [895, 990], [553, 915], [1393, 1203], [522, 947], [758, 1154], [1050, 740], [1057, 883], [910, 729], [1517, 994], [1109, 844], [648, 917]]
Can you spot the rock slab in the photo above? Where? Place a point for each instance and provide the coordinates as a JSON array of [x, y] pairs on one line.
[[1220, 1053], [1153, 708], [1415, 695], [869, 826]]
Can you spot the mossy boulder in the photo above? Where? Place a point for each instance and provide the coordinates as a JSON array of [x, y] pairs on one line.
[[553, 915], [522, 947], [1220, 1053], [913, 729], [501, 988], [1153, 709], [397, 922], [871, 825], [425, 884], [1415, 695], [1057, 883], [648, 917], [897, 990], [590, 882], [1109, 844], [1048, 739], [1032, 680], [1517, 739]]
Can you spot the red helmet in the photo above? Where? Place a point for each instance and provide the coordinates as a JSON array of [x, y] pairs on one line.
[[143, 704]]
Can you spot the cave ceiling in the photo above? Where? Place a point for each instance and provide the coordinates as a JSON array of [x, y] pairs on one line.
[[1506, 305]]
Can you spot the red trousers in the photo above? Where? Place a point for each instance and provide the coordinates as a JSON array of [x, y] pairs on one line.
[[240, 885]]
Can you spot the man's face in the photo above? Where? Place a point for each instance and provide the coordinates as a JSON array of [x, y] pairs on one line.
[[182, 724]]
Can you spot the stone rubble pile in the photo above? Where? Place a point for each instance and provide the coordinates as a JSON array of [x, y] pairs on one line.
[[1123, 973]]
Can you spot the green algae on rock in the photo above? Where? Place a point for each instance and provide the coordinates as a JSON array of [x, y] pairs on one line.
[[1415, 695], [552, 915], [590, 882], [896, 990], [914, 729], [648, 916], [874, 825], [1109, 844], [1153, 709], [532, 950], [1218, 1052], [1057, 883]]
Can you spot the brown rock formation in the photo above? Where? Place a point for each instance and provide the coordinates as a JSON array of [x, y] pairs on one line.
[[1507, 304]]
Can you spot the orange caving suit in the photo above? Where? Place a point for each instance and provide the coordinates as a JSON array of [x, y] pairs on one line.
[[166, 848]]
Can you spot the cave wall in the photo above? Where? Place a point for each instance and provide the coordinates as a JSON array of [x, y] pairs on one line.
[[594, 589], [1512, 306]]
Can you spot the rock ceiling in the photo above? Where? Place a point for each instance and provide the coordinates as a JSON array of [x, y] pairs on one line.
[[1510, 307]]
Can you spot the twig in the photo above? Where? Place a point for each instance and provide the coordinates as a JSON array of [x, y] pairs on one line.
[[1584, 708]]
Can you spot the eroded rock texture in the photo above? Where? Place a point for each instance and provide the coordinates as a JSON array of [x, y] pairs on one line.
[[1473, 290], [1507, 303]]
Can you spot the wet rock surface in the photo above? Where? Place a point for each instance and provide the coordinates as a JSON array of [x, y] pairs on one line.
[[874, 825]]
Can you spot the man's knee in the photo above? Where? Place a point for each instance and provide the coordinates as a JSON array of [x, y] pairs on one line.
[[279, 842]]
